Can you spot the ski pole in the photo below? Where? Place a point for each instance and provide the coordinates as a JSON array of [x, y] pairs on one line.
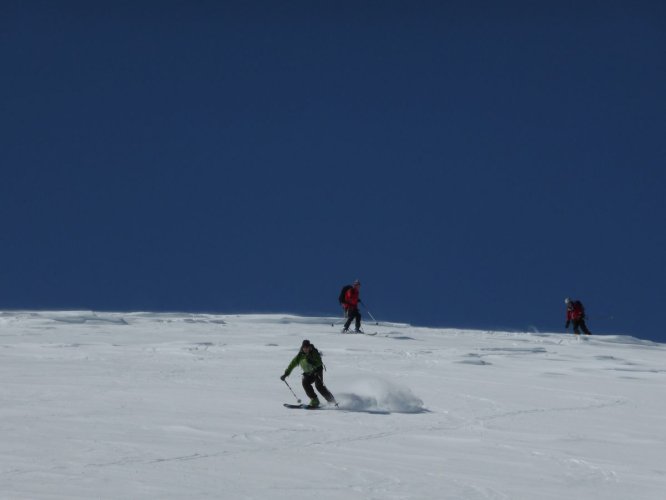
[[369, 313], [292, 391], [340, 321]]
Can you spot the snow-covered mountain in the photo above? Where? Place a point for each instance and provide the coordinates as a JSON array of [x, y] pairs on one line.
[[189, 406]]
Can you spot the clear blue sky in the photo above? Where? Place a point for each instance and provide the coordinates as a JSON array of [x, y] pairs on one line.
[[472, 163]]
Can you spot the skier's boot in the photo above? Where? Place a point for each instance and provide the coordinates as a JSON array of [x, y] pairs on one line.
[[314, 403]]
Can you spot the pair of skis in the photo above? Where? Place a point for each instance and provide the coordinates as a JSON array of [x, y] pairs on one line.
[[308, 407], [302, 406]]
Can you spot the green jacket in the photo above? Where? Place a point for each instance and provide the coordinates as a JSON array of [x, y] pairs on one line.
[[309, 362]]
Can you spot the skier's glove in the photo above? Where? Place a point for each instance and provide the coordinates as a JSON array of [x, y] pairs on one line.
[[567, 325], [283, 377]]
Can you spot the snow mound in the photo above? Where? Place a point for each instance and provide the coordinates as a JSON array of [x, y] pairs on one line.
[[379, 396]]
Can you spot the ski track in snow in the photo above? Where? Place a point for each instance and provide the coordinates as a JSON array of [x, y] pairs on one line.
[[176, 405]]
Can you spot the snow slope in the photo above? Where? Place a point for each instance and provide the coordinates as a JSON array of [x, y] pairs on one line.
[[175, 406]]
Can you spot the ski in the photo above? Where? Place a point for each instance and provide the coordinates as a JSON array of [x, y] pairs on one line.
[[359, 333], [301, 406]]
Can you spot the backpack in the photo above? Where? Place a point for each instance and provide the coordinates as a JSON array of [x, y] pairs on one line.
[[343, 292], [579, 305]]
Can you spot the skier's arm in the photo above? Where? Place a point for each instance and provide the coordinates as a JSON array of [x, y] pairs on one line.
[[292, 365]]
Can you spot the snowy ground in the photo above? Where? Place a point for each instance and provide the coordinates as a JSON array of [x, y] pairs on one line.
[[182, 406]]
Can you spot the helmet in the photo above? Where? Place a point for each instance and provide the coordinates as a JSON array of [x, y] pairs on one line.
[[306, 343], [567, 300], [356, 282]]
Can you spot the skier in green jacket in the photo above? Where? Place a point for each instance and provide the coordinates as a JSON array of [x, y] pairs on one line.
[[313, 372]]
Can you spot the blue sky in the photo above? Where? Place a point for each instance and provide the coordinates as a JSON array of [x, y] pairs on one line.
[[472, 163]]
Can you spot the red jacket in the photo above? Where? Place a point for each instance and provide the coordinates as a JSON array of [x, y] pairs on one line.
[[351, 298], [575, 311]]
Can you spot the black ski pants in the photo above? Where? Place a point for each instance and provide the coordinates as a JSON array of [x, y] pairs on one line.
[[579, 324], [353, 314], [316, 377]]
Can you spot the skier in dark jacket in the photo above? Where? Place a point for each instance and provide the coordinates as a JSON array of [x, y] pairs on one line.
[[350, 305], [313, 372], [576, 315]]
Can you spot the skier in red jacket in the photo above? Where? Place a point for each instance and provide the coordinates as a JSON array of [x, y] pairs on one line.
[[350, 306], [576, 315]]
